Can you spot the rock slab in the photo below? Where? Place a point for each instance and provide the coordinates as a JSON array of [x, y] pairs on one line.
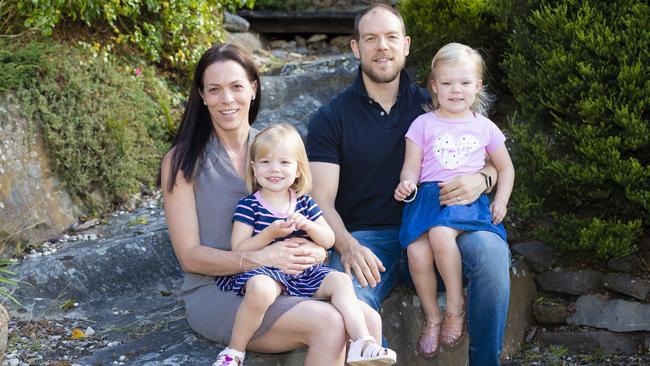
[[628, 284], [569, 282], [538, 255], [615, 315]]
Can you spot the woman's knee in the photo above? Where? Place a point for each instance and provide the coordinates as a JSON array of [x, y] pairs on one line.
[[327, 326]]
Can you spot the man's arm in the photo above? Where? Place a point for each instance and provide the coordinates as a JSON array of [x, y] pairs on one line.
[[467, 188], [354, 257]]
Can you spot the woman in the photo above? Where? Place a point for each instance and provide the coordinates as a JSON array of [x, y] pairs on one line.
[[202, 180]]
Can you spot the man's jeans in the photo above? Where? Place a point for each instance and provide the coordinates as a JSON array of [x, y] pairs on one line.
[[486, 266]]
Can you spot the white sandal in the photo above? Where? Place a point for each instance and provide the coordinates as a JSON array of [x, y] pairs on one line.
[[230, 357], [366, 352]]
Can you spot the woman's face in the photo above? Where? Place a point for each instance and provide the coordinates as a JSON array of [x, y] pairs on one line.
[[228, 92]]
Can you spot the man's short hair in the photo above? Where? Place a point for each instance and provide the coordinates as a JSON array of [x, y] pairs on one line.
[[357, 19]]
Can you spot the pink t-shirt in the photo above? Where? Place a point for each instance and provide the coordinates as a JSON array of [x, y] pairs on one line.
[[451, 148]]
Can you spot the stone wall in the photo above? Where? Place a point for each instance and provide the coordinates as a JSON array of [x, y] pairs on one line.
[[33, 203], [604, 306]]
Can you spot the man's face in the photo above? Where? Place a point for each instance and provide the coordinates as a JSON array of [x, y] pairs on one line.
[[382, 46]]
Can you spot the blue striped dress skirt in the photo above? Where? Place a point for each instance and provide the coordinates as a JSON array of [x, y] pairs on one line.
[[304, 284], [425, 212]]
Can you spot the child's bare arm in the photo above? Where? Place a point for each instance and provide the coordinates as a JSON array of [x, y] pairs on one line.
[[319, 231], [506, 170], [410, 171], [242, 238]]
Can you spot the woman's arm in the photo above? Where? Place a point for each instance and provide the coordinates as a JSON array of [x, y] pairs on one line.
[[183, 225]]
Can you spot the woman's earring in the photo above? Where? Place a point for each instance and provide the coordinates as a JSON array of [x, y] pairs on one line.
[[204, 103], [253, 97]]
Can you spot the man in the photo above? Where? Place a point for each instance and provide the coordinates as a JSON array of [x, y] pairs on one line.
[[356, 150]]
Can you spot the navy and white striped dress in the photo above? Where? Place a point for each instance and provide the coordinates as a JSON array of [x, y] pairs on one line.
[[253, 211]]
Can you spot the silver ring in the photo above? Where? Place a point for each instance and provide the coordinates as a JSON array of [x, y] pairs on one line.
[[458, 198]]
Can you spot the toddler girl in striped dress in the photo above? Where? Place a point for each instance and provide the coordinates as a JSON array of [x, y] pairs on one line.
[[278, 174]]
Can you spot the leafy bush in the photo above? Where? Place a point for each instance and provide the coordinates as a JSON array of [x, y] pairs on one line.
[[106, 123], [481, 24], [175, 31], [579, 72]]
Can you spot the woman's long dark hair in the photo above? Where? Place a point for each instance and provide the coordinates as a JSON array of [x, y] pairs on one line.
[[196, 126]]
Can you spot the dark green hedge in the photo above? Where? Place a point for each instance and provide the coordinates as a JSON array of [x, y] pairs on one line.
[[579, 72]]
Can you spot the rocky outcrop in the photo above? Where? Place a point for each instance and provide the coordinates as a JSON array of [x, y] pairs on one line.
[[33, 203], [123, 284], [301, 88]]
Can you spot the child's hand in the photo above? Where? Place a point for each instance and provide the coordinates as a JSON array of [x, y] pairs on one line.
[[299, 221], [279, 229], [499, 211], [404, 189]]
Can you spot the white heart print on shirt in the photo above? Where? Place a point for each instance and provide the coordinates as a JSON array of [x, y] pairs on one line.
[[452, 152]]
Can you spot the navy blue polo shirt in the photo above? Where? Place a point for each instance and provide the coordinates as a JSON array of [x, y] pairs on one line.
[[368, 144]]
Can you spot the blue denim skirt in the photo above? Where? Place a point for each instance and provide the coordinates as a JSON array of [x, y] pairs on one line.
[[425, 212]]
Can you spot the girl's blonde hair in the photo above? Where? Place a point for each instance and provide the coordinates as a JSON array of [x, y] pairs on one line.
[[453, 53], [269, 138]]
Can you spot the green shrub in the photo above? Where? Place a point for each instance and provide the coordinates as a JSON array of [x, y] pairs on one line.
[[174, 31], [579, 72], [480, 24], [106, 123]]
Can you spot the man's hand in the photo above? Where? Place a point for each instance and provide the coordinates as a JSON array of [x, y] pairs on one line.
[[363, 262], [461, 190], [404, 189]]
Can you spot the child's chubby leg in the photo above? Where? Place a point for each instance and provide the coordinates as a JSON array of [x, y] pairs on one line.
[[422, 268], [261, 292], [448, 262], [337, 286]]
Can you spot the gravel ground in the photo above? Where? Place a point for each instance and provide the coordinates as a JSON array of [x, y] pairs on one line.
[[51, 342], [536, 354]]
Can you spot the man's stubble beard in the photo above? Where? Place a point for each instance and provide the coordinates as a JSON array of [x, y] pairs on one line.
[[381, 79]]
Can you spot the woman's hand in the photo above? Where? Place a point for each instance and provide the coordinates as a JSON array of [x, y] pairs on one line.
[[315, 251], [288, 256], [462, 190]]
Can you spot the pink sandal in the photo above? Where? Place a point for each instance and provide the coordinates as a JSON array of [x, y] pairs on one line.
[[429, 342], [452, 331], [230, 357], [366, 352]]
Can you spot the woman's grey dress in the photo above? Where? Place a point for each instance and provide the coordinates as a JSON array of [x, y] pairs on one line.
[[217, 189]]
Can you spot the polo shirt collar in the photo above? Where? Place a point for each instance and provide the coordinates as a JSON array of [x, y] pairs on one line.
[[359, 88]]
